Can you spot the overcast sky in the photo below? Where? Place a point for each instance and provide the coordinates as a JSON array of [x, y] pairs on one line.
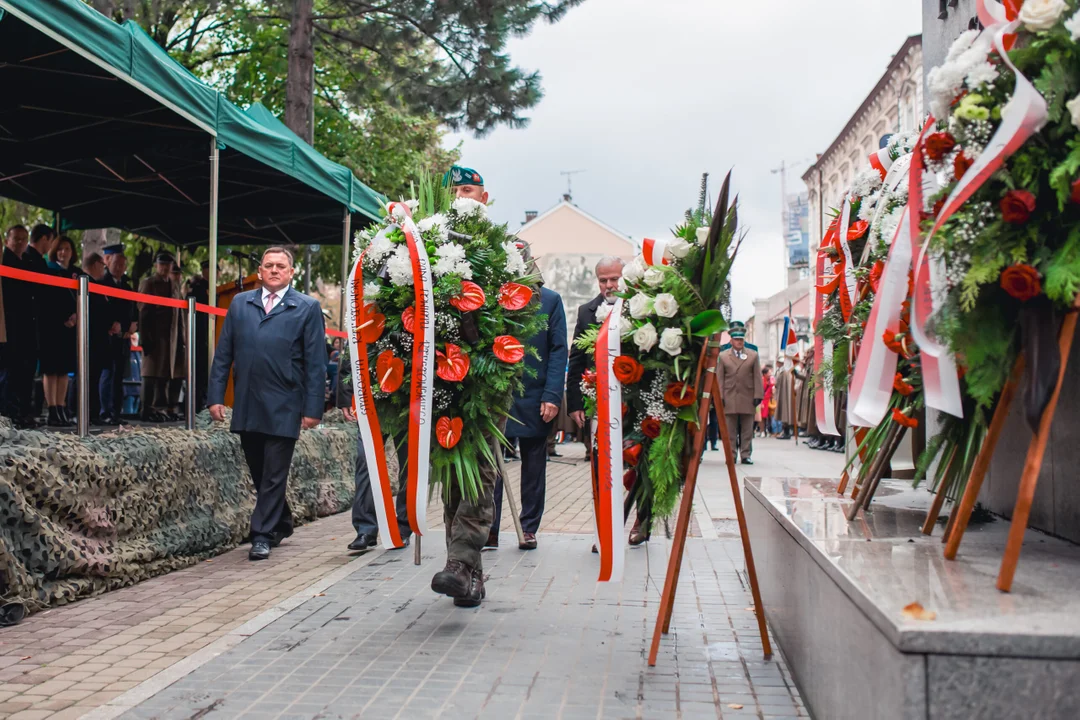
[[646, 95]]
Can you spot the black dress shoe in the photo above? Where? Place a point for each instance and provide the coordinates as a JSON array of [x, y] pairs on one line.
[[260, 550], [362, 543], [554, 453], [278, 536], [454, 580], [476, 592], [747, 461]]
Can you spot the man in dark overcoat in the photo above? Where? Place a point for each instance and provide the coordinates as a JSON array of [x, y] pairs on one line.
[[531, 417], [272, 340], [161, 339]]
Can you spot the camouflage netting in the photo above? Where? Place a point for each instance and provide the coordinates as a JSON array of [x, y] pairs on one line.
[[82, 516]]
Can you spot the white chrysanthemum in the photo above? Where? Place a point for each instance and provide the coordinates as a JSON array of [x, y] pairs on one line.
[[666, 305], [678, 248], [671, 341], [653, 276], [961, 44], [467, 207], [645, 337], [983, 73], [1073, 26], [515, 263], [451, 260], [641, 305], [1041, 15], [371, 290], [866, 182], [380, 247], [702, 234], [399, 266], [438, 223], [867, 207], [451, 251], [602, 311], [634, 271]]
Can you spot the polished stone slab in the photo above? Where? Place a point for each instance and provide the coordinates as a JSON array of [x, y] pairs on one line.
[[883, 562]]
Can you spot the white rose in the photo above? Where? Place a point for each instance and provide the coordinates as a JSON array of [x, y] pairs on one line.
[[653, 276], [1074, 109], [641, 305], [702, 235], [602, 312], [622, 285], [678, 248], [645, 337], [666, 305], [633, 272], [671, 341], [1042, 14], [1073, 26]]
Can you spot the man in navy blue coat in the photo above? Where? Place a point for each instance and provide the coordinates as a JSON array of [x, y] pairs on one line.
[[531, 417], [273, 340]]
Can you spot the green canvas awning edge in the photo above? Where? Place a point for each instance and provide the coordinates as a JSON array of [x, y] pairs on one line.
[[127, 52]]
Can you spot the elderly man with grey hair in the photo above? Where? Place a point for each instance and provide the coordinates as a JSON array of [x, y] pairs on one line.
[[608, 272]]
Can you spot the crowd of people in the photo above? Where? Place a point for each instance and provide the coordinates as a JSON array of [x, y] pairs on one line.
[[38, 334]]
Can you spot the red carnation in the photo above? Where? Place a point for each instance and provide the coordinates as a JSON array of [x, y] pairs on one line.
[[650, 428], [903, 420], [889, 338], [1017, 206], [1021, 281], [939, 145], [902, 386]]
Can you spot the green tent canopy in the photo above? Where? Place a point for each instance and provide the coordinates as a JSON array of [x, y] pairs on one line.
[[99, 124]]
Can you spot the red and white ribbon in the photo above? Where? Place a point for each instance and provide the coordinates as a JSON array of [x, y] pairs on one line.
[[366, 417], [823, 350], [847, 284], [881, 161], [421, 385], [653, 251], [609, 436], [1025, 115]]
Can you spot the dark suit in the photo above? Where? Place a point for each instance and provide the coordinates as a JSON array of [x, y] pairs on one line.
[[118, 359], [579, 360], [279, 376], [525, 422], [20, 351]]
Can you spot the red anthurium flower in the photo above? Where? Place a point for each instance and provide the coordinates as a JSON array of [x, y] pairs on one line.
[[631, 455], [508, 349], [628, 370], [514, 296], [448, 431], [1017, 206], [391, 371], [451, 365], [857, 229], [678, 394], [902, 386], [408, 318], [650, 428], [875, 275], [471, 298], [371, 324]]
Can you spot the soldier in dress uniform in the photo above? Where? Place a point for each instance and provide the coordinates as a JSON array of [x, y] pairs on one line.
[[739, 373], [126, 315]]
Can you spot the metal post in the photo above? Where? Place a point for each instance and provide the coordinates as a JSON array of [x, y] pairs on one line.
[[215, 166], [82, 332], [190, 414], [346, 246]]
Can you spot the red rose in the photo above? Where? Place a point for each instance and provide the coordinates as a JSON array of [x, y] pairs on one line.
[[448, 431], [1017, 206], [938, 145], [902, 386], [508, 349], [391, 371], [1021, 281], [1075, 194], [451, 365], [960, 165], [589, 376], [650, 428], [628, 370], [678, 394], [857, 230], [631, 455], [471, 298]]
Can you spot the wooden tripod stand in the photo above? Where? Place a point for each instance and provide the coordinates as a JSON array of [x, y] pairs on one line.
[[710, 397]]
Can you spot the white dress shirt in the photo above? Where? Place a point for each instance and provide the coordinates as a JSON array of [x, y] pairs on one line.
[[277, 300]]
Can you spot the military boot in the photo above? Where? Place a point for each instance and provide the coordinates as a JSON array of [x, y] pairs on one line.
[[454, 580], [476, 591]]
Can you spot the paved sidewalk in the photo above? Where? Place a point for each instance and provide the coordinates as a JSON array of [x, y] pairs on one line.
[[549, 642]]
